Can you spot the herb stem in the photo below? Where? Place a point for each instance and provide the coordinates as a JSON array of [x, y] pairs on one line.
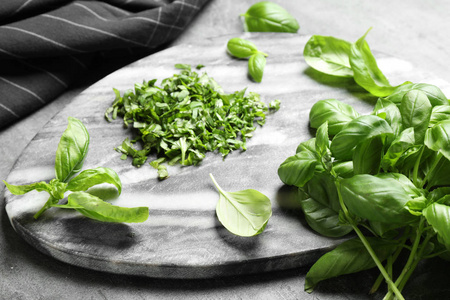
[[416, 168], [46, 206]]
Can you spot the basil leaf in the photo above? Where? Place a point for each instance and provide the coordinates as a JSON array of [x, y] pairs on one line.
[[256, 65], [241, 48], [397, 148], [391, 112], [298, 169], [416, 111], [366, 71], [72, 149], [97, 209], [434, 94], [439, 176], [439, 113], [328, 55], [269, 17], [244, 213], [335, 112], [357, 131], [23, 189], [321, 206], [438, 216], [367, 156], [92, 177], [437, 138], [376, 198], [349, 257]]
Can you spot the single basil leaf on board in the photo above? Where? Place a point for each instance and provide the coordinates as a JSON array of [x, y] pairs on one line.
[[434, 94], [256, 65], [439, 113], [298, 169], [267, 16], [367, 156], [97, 209], [320, 205], [438, 216], [92, 177], [72, 149], [357, 131], [437, 138], [366, 71], [398, 147], [377, 199], [415, 109], [243, 213], [335, 112], [328, 55], [241, 48], [392, 114], [349, 257], [23, 189]]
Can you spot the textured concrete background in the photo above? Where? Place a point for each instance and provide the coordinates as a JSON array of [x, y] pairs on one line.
[[412, 30]]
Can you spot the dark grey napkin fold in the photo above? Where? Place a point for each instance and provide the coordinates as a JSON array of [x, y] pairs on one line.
[[46, 45]]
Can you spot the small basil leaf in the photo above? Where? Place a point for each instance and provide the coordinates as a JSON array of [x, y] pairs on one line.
[[343, 169], [269, 17], [439, 113], [433, 93], [92, 177], [335, 112], [392, 114], [437, 138], [241, 48], [256, 65], [72, 149], [438, 216], [244, 213], [366, 71], [328, 55], [349, 257], [323, 146], [298, 169], [23, 189], [97, 209], [367, 156], [399, 146], [357, 131], [416, 111]]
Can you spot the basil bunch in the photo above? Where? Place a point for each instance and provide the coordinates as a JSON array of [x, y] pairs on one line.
[[386, 172], [70, 155], [241, 48], [340, 58]]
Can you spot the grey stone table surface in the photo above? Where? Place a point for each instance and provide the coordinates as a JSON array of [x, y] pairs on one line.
[[412, 31]]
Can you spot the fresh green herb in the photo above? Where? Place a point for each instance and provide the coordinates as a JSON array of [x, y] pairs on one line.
[[386, 172], [256, 65], [243, 213], [270, 17], [186, 117], [70, 155], [241, 48]]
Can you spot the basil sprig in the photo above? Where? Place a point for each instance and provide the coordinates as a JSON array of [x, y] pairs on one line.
[[269, 17], [386, 172], [70, 155], [241, 48]]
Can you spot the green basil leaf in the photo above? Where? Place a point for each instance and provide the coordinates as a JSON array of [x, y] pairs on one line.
[[439, 113], [298, 169], [349, 257], [376, 198], [256, 65], [72, 149], [308, 146], [440, 175], [437, 138], [97, 209], [366, 71], [269, 17], [416, 111], [357, 131], [23, 189], [439, 193], [343, 169], [433, 93], [398, 147], [92, 177], [328, 55], [335, 112], [385, 230], [438, 216], [367, 156], [241, 48], [321, 206], [323, 146], [244, 213], [392, 114]]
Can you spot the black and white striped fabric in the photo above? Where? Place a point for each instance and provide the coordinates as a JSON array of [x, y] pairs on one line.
[[45, 45]]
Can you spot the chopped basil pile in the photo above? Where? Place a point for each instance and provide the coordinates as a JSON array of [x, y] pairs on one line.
[[188, 115]]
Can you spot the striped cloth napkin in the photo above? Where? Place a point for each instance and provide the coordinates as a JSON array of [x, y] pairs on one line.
[[46, 45]]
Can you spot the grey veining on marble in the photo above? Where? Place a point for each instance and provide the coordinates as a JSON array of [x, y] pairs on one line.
[[182, 237]]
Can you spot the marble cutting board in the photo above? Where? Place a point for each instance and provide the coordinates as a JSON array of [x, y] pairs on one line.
[[182, 237]]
